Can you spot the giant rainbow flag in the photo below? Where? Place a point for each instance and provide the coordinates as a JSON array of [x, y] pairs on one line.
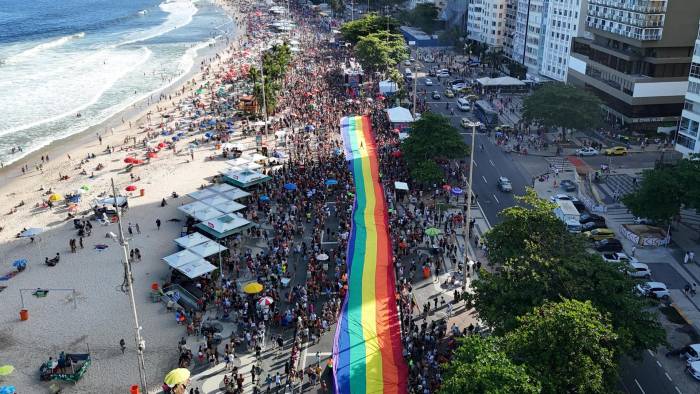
[[367, 353]]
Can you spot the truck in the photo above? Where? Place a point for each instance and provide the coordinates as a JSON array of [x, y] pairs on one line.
[[567, 213]]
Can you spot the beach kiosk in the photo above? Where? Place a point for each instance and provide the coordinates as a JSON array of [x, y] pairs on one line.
[[235, 194], [244, 178], [224, 226], [207, 248], [399, 117], [191, 240]]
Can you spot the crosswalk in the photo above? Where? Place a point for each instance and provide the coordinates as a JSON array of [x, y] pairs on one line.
[[560, 163], [621, 183]]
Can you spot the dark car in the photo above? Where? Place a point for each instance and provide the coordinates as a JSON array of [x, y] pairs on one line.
[[593, 225], [589, 217], [435, 95], [568, 185], [580, 206], [608, 245]]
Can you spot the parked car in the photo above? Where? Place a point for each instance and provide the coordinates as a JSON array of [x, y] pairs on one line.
[[618, 257], [568, 185], [504, 185], [407, 62], [616, 151], [428, 82], [608, 245], [639, 270], [562, 196], [587, 217], [693, 367], [638, 220], [588, 151], [435, 95], [588, 226], [653, 289], [449, 93], [432, 72], [691, 352], [599, 234]]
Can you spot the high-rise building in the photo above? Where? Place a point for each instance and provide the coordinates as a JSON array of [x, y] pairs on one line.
[[528, 38], [638, 58], [486, 22], [687, 138], [474, 12], [566, 19]]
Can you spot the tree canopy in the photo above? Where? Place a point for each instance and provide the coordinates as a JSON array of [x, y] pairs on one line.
[[481, 366], [380, 52], [665, 191], [568, 346], [560, 105], [432, 139], [423, 16], [370, 23], [543, 262], [275, 62]]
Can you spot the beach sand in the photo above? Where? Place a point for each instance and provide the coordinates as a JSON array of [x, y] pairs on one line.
[[99, 315]]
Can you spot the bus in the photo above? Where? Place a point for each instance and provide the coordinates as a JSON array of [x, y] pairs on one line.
[[485, 113]]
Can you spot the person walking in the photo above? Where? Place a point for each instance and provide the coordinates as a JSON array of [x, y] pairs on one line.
[[138, 229], [158, 224], [122, 345]]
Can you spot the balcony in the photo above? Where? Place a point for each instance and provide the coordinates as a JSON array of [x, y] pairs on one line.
[[651, 7], [636, 33]]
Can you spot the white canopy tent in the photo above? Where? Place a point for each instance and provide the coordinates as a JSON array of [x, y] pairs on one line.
[[229, 206], [256, 157], [196, 268], [388, 87], [207, 248], [235, 194], [201, 194], [244, 178], [220, 188], [191, 208], [401, 186], [191, 240], [215, 200], [399, 115], [225, 225], [206, 214], [502, 81], [238, 162], [180, 258]]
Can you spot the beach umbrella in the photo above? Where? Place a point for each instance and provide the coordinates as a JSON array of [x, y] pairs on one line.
[[7, 390], [265, 302], [138, 161], [290, 186], [457, 191], [432, 232], [19, 263], [129, 160], [322, 257], [212, 122], [131, 188], [177, 376], [161, 145], [30, 232], [55, 197], [264, 198], [253, 288], [175, 138], [152, 155], [6, 370], [331, 182], [85, 187]]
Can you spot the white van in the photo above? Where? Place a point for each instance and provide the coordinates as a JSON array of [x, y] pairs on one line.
[[463, 104]]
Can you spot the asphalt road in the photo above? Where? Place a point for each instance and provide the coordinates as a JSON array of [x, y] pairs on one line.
[[645, 376], [632, 160], [490, 163]]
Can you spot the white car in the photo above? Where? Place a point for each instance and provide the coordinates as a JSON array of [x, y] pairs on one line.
[[639, 270], [588, 151], [407, 62], [693, 367], [691, 352], [653, 289], [563, 197], [428, 82], [618, 258]]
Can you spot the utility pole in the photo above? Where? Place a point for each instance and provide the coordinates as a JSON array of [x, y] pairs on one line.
[[352, 9], [415, 82], [469, 208], [140, 343], [262, 75]]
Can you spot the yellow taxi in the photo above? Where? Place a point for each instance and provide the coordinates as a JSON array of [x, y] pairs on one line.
[[616, 151], [449, 93], [599, 234]]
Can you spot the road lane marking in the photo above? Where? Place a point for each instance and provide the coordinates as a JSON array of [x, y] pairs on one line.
[[491, 161], [658, 363], [650, 352], [495, 198], [668, 377], [678, 390], [639, 386], [484, 178], [475, 165]]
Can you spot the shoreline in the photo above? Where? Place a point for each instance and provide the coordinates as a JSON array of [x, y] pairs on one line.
[[136, 113]]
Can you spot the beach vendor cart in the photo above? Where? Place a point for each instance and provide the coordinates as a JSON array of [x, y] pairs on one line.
[[69, 367]]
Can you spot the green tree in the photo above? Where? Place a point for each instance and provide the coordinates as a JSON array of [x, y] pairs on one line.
[[432, 139], [370, 23], [560, 105], [543, 262], [424, 16], [480, 366], [379, 52], [568, 346]]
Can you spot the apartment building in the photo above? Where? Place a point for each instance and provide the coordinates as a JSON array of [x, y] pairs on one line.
[[528, 38], [566, 19], [474, 11], [486, 22], [638, 58], [687, 141]]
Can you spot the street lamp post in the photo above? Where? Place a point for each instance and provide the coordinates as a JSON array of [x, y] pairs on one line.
[[262, 77], [469, 207], [415, 83]]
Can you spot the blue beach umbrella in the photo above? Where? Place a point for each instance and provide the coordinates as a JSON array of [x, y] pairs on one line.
[[457, 191], [7, 390], [264, 198], [331, 182], [290, 186], [208, 135], [175, 138], [212, 122], [20, 263]]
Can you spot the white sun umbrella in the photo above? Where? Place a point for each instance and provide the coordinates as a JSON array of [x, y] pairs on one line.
[[322, 257], [265, 302]]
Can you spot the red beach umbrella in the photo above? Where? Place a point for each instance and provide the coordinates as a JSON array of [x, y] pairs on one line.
[[129, 160], [152, 155], [131, 188]]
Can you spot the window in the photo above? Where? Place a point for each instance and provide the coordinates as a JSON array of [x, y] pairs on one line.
[[686, 141], [694, 87]]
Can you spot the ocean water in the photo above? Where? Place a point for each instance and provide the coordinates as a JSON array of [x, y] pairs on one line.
[[93, 57]]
